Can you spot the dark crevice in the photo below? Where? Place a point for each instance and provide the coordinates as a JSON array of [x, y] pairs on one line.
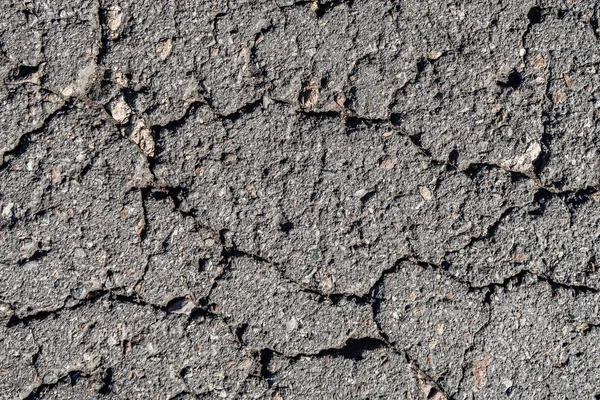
[[428, 386], [107, 381], [376, 296], [323, 8], [453, 160], [513, 81], [201, 312], [493, 288], [265, 358], [577, 198], [37, 255], [540, 200], [490, 230], [164, 192], [136, 300], [184, 372], [229, 253], [396, 119], [38, 316], [241, 112], [103, 39], [24, 71], [13, 321], [25, 138], [594, 22], [39, 392], [320, 114], [422, 65], [524, 276], [353, 121], [535, 16], [354, 348], [74, 377], [545, 141], [239, 332], [286, 227], [173, 125], [562, 13], [368, 196]]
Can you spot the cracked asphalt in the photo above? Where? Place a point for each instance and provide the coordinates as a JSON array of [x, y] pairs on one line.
[[282, 199]]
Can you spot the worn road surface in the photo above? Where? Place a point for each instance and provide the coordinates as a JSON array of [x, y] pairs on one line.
[[283, 199]]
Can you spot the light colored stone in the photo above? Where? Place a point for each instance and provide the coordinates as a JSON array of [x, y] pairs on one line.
[[120, 110], [163, 48], [142, 136], [115, 19], [425, 193]]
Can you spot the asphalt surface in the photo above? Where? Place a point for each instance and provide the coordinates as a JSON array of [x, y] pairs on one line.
[[280, 199]]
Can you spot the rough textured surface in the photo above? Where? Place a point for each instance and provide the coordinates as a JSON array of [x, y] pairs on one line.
[[291, 199]]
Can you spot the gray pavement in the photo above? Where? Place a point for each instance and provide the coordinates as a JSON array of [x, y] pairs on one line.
[[282, 199]]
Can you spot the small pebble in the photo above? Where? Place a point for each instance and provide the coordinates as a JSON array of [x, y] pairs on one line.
[[80, 292], [120, 110], [163, 48], [388, 163], [425, 193]]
